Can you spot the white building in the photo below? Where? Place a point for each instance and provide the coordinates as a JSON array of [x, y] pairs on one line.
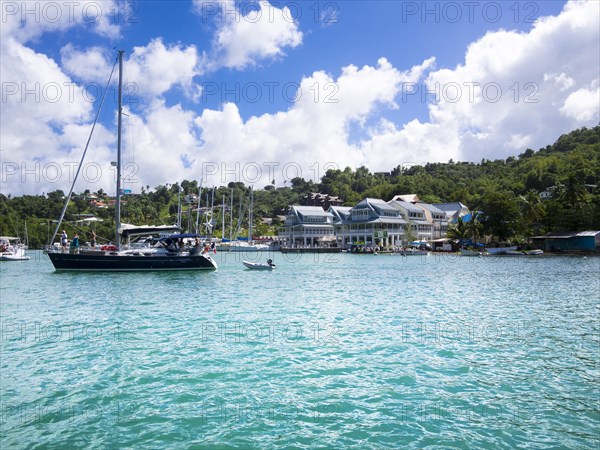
[[307, 226], [453, 210], [415, 216], [372, 222], [437, 218]]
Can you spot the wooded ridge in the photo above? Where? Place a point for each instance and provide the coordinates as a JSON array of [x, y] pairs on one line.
[[552, 189]]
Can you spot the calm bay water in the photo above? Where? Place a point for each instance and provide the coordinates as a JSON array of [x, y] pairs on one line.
[[328, 351]]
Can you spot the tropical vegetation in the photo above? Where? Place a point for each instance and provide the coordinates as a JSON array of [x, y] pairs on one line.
[[504, 192]]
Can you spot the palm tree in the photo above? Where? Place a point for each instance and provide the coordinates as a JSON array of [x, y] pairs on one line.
[[574, 191], [459, 231], [532, 211], [474, 228]]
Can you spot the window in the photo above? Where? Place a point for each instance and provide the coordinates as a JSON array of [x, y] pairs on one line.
[[360, 214]]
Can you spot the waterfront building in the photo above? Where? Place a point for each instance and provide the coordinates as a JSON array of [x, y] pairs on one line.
[[421, 229], [370, 223], [437, 218], [340, 214], [409, 198], [307, 226], [573, 241], [322, 200], [453, 210]]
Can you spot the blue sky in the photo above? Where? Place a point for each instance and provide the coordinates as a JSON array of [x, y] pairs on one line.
[[214, 84]]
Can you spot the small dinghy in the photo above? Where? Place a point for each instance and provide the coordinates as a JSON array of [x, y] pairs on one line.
[[260, 266]]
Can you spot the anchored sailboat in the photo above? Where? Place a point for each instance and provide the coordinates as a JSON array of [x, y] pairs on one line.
[[11, 249], [168, 252]]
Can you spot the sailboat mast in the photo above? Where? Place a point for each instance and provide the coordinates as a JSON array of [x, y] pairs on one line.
[[68, 198], [250, 213], [231, 217], [212, 204], [119, 124], [223, 217], [198, 228], [179, 207]]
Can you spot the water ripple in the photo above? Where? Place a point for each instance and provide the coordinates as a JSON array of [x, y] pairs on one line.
[[329, 351]]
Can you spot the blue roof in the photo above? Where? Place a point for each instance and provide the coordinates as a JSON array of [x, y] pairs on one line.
[[432, 208], [409, 206], [468, 217]]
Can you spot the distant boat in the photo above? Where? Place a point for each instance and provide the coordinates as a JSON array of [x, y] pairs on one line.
[[469, 252], [12, 249], [242, 246], [259, 266], [500, 250], [168, 254], [536, 252], [411, 252]]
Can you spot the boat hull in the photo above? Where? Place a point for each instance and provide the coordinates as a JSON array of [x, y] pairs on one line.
[[125, 263], [14, 258], [251, 248], [411, 253], [525, 253], [311, 250], [257, 266], [500, 250]]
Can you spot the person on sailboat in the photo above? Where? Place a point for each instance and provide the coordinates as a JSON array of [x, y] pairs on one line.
[[196, 248], [75, 244], [93, 239], [63, 240]]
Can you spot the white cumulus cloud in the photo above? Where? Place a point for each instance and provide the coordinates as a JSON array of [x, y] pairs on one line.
[[247, 34], [314, 133], [514, 90], [583, 104]]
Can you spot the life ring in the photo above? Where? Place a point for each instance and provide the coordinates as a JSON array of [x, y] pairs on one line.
[[108, 248]]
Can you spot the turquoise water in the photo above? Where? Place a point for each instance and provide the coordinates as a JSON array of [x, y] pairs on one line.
[[328, 351]]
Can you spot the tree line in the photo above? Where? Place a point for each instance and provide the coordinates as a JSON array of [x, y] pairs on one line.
[[504, 192]]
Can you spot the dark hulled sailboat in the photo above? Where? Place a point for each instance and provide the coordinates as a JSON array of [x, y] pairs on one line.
[[166, 253]]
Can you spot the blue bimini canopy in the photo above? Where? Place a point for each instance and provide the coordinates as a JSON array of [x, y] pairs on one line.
[[182, 236]]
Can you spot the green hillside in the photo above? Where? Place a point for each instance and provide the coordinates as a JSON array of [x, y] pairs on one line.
[[507, 192]]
